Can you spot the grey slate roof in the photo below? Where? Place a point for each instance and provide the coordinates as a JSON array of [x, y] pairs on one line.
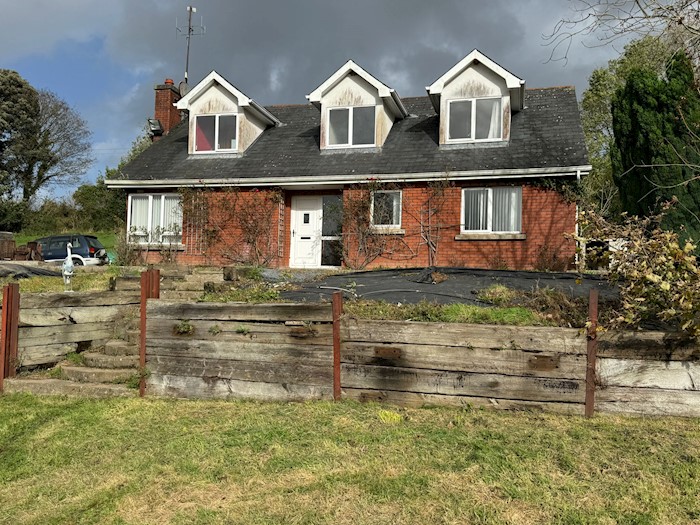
[[546, 134]]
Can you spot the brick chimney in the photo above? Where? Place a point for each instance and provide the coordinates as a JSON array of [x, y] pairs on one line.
[[167, 94]]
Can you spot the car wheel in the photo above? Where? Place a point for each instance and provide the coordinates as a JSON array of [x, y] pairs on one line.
[[77, 262]]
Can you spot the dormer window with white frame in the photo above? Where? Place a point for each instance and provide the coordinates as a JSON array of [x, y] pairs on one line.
[[216, 133], [475, 119], [351, 126]]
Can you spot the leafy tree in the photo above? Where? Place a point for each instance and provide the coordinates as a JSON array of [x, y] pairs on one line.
[[100, 208], [43, 141], [651, 54], [656, 123]]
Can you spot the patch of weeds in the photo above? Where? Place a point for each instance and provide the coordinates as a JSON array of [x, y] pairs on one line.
[[215, 330], [56, 373], [389, 417], [76, 359], [184, 327], [134, 381], [257, 293], [499, 295], [243, 330], [558, 307]]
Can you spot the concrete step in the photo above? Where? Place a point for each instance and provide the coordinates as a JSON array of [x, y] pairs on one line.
[[84, 374], [96, 360], [117, 347], [58, 387]]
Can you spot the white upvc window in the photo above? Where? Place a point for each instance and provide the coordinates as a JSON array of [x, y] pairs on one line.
[[386, 209], [351, 126], [214, 133], [496, 209], [155, 218], [474, 119]]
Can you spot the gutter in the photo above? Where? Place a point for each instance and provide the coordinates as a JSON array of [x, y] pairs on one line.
[[568, 171]]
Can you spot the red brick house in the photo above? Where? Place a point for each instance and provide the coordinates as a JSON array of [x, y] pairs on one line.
[[466, 176]]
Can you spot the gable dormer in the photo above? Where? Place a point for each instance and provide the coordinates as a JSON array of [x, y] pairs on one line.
[[357, 110], [222, 119], [475, 100]]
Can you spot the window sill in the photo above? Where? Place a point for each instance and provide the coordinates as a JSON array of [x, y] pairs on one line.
[[388, 231], [491, 237]]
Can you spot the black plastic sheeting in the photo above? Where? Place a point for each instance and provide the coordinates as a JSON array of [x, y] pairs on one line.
[[460, 285]]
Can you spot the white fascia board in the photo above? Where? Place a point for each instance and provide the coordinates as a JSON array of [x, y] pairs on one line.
[[243, 100], [384, 91], [512, 82], [566, 171]]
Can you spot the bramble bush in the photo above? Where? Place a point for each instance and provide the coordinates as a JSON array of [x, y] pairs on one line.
[[657, 274]]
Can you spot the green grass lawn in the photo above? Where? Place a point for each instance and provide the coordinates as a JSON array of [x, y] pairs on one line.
[[159, 461]]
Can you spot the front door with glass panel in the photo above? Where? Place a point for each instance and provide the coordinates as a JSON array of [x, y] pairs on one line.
[[315, 235]]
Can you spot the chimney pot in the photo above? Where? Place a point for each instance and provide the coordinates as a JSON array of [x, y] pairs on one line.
[[169, 81]]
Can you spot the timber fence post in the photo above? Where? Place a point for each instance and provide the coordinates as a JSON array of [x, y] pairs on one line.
[[9, 331], [337, 313], [592, 351], [150, 289]]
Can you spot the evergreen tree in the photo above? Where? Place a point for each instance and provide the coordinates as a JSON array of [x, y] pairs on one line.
[[656, 123]]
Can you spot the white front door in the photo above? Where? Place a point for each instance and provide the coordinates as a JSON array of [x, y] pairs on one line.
[[306, 232]]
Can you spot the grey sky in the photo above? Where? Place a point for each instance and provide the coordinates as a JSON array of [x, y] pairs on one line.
[[276, 51]]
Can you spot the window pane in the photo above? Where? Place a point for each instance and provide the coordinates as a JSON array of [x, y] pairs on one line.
[[204, 139], [331, 253], [461, 119], [156, 227], [227, 132], [488, 119], [387, 208], [338, 120], [363, 125], [476, 209], [332, 215], [172, 218], [139, 214], [507, 204]]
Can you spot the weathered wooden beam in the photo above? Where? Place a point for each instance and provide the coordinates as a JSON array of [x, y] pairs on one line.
[[44, 354], [52, 300], [477, 360], [670, 375], [534, 338], [213, 369], [64, 315], [242, 351], [239, 311], [197, 387], [70, 333], [461, 383], [418, 400], [242, 331], [649, 345], [648, 401]]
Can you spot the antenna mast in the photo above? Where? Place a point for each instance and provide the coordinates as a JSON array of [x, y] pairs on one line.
[[189, 32]]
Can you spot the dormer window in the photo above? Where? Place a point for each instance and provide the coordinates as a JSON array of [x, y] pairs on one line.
[[216, 133], [475, 119], [353, 126]]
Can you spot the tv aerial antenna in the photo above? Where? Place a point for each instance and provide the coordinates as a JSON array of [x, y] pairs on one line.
[[188, 32]]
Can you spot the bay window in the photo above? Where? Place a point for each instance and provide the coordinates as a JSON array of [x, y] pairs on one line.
[[474, 119], [497, 209], [155, 218]]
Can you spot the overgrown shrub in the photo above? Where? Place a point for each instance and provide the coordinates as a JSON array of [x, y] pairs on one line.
[[657, 274]]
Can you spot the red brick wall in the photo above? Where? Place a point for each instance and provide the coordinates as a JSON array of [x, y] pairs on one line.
[[546, 220]]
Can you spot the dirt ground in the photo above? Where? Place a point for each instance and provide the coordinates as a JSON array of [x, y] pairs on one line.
[[443, 285]]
